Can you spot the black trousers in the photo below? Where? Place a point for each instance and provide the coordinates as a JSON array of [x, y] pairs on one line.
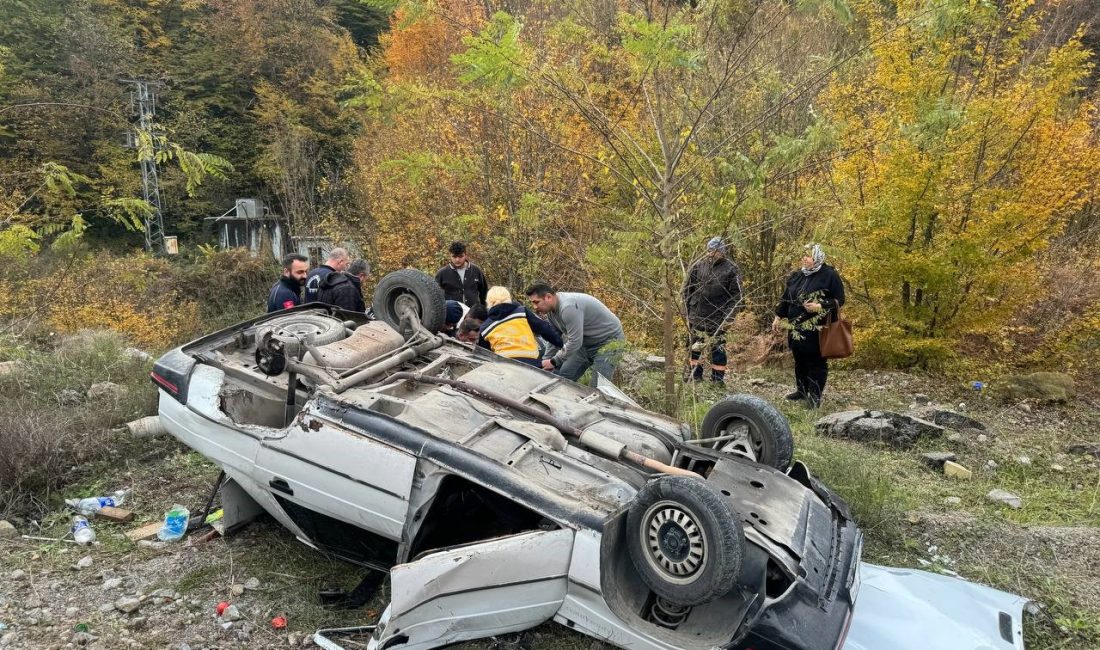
[[811, 370]]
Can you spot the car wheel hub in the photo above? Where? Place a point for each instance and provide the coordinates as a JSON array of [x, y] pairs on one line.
[[675, 543], [747, 442]]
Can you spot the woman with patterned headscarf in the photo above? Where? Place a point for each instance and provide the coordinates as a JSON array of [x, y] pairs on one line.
[[813, 293]]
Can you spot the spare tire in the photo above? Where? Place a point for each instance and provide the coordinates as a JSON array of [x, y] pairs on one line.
[[762, 433], [312, 328], [685, 540], [409, 287]]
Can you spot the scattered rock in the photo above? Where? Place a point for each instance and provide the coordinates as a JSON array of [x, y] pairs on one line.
[[952, 469], [757, 381], [1057, 468], [127, 604], [1024, 460], [7, 529], [946, 418], [226, 626], [983, 438], [236, 589], [84, 562], [1004, 497], [69, 397], [136, 622], [654, 361], [8, 639], [878, 426], [106, 608], [1054, 387], [954, 437], [18, 574], [952, 501], [990, 465], [106, 391], [83, 638], [113, 583], [252, 584], [921, 399], [162, 595], [148, 543], [913, 517], [1087, 448], [136, 354], [293, 638], [936, 459], [72, 612], [231, 613], [1024, 406], [10, 367]]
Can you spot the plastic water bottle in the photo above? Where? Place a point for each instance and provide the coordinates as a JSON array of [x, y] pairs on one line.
[[175, 524], [91, 505], [83, 532]]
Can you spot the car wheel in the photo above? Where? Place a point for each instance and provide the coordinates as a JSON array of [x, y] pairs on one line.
[[411, 288], [313, 329], [748, 426], [685, 540]]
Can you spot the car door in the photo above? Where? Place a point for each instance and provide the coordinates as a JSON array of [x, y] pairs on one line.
[[475, 590], [338, 485]]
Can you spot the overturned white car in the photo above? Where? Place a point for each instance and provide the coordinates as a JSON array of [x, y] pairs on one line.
[[499, 496]]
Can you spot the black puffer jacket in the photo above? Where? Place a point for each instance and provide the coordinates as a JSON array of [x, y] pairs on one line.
[[712, 293], [342, 290], [824, 286]]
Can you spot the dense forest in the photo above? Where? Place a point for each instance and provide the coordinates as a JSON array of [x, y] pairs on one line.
[[944, 152]]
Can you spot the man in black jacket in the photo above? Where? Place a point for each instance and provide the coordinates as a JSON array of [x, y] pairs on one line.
[[287, 291], [336, 262], [461, 280], [345, 290], [712, 295]]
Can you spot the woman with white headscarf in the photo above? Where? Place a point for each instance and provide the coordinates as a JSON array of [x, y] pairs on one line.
[[813, 293]]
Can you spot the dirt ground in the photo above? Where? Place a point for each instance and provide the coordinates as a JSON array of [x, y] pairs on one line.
[[163, 595]]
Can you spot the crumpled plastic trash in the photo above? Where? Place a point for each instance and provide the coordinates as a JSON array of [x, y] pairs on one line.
[[175, 524]]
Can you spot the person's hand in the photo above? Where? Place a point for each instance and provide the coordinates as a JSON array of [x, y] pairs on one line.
[[777, 324], [812, 307], [547, 364]]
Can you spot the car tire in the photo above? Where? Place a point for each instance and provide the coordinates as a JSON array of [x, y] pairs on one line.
[[768, 438], [685, 540], [313, 329], [427, 297]]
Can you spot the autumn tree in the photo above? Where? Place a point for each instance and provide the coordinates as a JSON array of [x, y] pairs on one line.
[[968, 145]]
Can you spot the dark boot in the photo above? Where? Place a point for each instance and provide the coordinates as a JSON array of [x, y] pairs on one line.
[[796, 395], [718, 376]]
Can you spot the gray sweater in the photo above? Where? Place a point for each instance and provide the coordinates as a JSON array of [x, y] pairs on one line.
[[584, 322]]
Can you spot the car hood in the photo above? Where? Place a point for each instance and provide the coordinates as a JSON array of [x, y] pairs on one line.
[[905, 609]]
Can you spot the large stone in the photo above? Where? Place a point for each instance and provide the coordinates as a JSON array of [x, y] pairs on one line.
[[936, 459], [7, 529], [954, 470], [231, 614], [946, 418], [106, 391], [892, 428], [1055, 387], [1004, 497]]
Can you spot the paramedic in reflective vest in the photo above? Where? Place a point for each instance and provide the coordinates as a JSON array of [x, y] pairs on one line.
[[511, 330], [338, 261], [286, 292]]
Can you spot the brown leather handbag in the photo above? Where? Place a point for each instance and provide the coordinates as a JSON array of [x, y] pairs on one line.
[[835, 337]]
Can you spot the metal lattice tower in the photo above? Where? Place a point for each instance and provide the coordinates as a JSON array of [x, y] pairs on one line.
[[143, 103]]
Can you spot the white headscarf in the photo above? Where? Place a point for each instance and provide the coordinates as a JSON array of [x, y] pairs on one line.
[[818, 256]]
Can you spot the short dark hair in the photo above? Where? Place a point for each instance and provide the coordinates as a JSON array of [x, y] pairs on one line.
[[457, 248], [289, 260], [539, 289], [359, 266], [478, 312]]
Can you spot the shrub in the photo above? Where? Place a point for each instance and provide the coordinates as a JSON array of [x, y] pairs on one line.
[[50, 428]]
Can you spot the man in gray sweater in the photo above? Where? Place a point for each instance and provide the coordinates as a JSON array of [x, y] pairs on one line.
[[592, 336]]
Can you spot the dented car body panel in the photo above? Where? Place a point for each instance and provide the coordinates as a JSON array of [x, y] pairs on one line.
[[456, 493]]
